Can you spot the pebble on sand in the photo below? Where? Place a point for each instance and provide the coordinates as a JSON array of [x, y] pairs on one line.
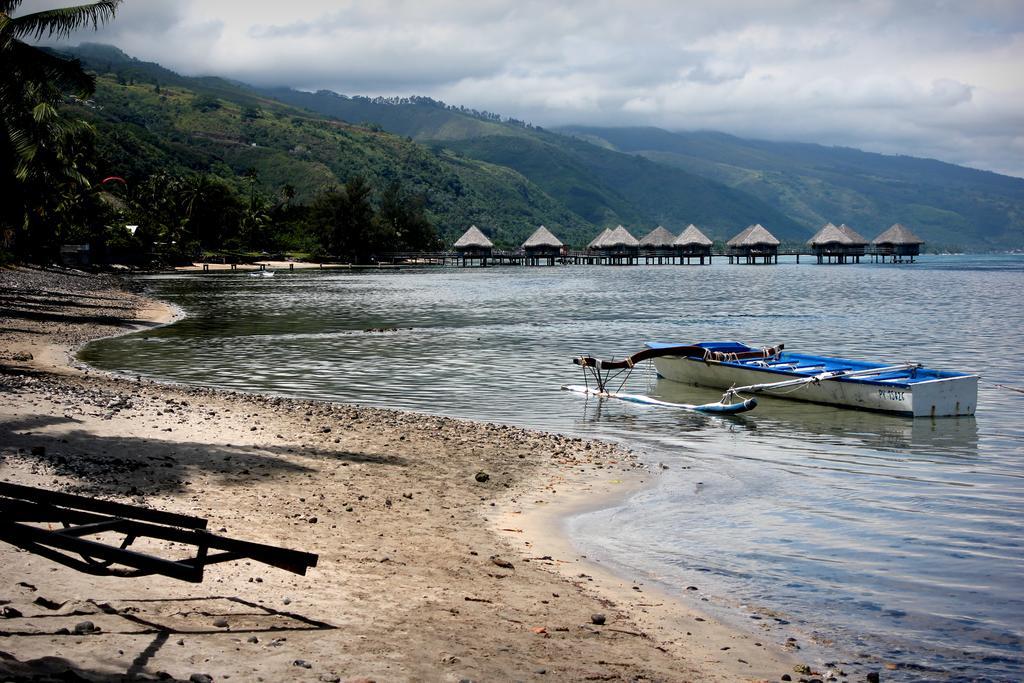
[[85, 627]]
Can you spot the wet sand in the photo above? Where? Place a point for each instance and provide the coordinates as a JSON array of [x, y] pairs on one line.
[[440, 549]]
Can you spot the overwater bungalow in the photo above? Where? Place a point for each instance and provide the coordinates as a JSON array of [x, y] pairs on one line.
[[838, 244], [542, 246], [657, 244], [474, 246], [753, 244], [595, 244], [898, 243], [692, 243], [619, 247]]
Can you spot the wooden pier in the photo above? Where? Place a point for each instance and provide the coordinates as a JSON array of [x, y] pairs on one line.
[[755, 245], [498, 257]]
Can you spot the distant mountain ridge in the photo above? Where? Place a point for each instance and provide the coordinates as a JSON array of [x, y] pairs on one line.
[[805, 185], [151, 120], [508, 177], [604, 187], [941, 202]]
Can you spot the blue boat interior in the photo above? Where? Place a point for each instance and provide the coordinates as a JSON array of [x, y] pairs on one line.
[[790, 364]]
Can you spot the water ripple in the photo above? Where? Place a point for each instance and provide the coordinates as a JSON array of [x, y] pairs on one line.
[[898, 540]]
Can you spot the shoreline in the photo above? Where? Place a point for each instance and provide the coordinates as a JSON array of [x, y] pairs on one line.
[[681, 629], [642, 633]]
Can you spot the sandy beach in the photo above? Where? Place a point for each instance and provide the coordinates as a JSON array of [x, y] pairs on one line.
[[271, 266], [439, 543]]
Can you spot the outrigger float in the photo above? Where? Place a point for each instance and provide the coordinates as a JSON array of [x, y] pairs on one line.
[[907, 389]]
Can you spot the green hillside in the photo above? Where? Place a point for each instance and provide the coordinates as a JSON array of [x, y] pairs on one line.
[[792, 188], [608, 188], [603, 186], [945, 204], [418, 117], [508, 177], [151, 120]]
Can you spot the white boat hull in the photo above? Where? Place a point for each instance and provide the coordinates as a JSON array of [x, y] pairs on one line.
[[944, 397]]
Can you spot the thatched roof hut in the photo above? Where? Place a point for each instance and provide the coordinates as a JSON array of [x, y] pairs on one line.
[[855, 238], [473, 239], [542, 239], [829, 234], [542, 246], [897, 242], [692, 243], [617, 247], [898, 235], [596, 242], [659, 238], [692, 237], [754, 236], [837, 243], [754, 242], [619, 238], [657, 245], [474, 245]]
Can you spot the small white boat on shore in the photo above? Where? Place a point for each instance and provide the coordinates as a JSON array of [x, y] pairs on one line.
[[903, 388]]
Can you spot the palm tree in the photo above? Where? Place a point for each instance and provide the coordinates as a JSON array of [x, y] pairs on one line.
[[288, 192], [36, 143]]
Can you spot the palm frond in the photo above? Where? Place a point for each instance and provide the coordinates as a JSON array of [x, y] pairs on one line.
[[62, 21], [44, 111]]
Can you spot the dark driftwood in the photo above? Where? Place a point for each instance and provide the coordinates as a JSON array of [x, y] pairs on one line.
[[80, 516]]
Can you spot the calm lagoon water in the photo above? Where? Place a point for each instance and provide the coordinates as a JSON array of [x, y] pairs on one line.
[[882, 539]]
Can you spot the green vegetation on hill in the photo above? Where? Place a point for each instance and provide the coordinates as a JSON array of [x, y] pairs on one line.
[[46, 158], [728, 182], [463, 167], [418, 117], [603, 186], [948, 206], [608, 188], [151, 120]]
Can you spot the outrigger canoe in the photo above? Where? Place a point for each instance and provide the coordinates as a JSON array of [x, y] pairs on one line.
[[904, 388]]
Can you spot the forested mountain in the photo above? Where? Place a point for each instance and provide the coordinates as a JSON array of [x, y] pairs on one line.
[[507, 176], [943, 203], [809, 185], [151, 120], [603, 186]]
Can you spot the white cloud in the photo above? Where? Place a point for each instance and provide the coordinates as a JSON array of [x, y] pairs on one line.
[[920, 77]]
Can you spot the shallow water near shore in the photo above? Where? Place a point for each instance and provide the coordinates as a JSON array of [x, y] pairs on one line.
[[884, 539]]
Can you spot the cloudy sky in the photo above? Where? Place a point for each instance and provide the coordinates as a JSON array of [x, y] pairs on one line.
[[932, 78]]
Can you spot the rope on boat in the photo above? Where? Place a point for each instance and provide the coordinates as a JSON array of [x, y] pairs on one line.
[[1004, 386], [803, 382]]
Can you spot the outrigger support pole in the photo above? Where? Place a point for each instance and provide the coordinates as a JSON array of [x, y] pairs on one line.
[[23, 507], [601, 370], [815, 379]]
